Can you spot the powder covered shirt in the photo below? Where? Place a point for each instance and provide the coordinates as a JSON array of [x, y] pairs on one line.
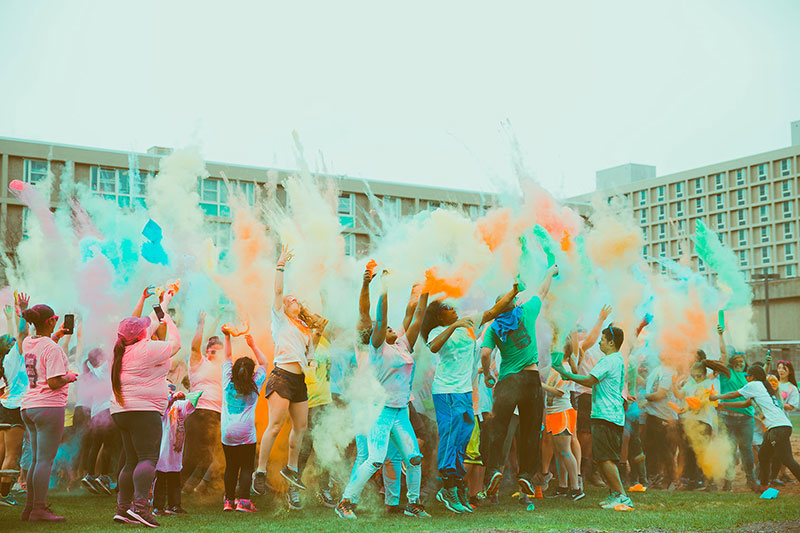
[[394, 369], [173, 433], [789, 394], [661, 378], [291, 344], [607, 400], [44, 359], [692, 389], [771, 407], [206, 376], [458, 358], [318, 376], [238, 420], [519, 350], [735, 381], [16, 378]]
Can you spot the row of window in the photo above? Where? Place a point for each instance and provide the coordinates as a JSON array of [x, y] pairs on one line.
[[765, 254], [765, 233], [785, 210], [786, 191]]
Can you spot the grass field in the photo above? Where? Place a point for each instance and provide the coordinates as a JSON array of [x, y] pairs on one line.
[[656, 510]]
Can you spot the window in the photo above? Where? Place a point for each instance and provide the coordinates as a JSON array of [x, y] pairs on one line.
[[221, 237], [698, 186], [740, 197], [742, 237], [720, 202], [762, 193], [645, 250], [765, 234], [763, 213], [787, 210], [644, 234], [393, 207], [788, 230], [642, 197], [643, 216], [214, 195], [433, 206], [743, 258], [720, 221], [790, 271], [701, 266], [680, 227], [679, 209], [662, 231], [346, 210], [34, 171], [475, 211], [765, 255], [786, 167], [349, 244], [661, 212], [662, 249], [119, 185], [740, 177], [661, 194], [762, 172], [741, 217], [699, 205], [788, 252], [786, 188], [718, 181], [679, 190]]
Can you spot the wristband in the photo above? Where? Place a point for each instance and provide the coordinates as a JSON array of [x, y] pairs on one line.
[[280, 269]]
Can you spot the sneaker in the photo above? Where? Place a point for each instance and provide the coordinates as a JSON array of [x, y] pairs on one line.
[[45, 515], [637, 488], [560, 492], [326, 498], [293, 498], [575, 495], [417, 510], [623, 503], [8, 501], [449, 497], [345, 510], [463, 497], [293, 478], [176, 509], [159, 512], [123, 516], [608, 502], [90, 483], [546, 481], [228, 505], [141, 513], [104, 483], [259, 484], [394, 509], [494, 483], [526, 487], [246, 506]]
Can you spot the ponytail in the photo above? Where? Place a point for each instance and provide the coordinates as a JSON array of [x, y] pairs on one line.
[[116, 370]]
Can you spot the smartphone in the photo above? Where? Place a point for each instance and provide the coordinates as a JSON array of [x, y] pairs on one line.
[[159, 312], [69, 324]]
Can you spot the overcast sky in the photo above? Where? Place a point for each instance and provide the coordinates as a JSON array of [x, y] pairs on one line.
[[409, 91]]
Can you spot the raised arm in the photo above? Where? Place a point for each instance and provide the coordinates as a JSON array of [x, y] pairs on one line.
[[501, 304], [436, 344], [378, 336], [228, 349], [173, 336], [413, 330], [146, 293], [723, 349], [260, 357], [411, 307], [717, 366], [197, 341], [364, 320], [544, 288], [280, 266], [22, 301], [593, 335]]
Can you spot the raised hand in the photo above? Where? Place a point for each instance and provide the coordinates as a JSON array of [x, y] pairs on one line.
[[148, 291], [286, 255], [249, 340], [605, 312]]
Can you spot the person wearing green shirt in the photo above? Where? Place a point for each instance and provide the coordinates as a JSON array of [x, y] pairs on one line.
[[607, 380], [513, 332]]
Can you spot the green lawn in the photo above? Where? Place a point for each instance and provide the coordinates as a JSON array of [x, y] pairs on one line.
[[656, 509]]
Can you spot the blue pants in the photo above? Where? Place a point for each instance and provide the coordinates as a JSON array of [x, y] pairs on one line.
[[455, 420]]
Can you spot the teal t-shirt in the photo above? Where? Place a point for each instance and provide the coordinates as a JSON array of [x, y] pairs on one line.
[[519, 349], [607, 400], [729, 384]]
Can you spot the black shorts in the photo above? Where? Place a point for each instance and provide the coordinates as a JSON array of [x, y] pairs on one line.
[[583, 405], [606, 441], [11, 417], [288, 385]]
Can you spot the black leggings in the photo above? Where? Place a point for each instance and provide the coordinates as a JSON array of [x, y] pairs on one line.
[[775, 451], [141, 440], [167, 490], [104, 441], [658, 448], [202, 443], [239, 461]]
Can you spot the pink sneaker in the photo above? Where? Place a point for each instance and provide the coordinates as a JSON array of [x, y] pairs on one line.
[[246, 506], [227, 505], [45, 515]]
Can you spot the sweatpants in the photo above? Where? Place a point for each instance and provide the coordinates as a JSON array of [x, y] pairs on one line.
[[44, 426], [141, 441], [776, 450], [455, 420], [167, 490], [239, 463]]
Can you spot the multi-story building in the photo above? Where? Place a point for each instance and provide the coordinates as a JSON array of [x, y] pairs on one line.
[[122, 178]]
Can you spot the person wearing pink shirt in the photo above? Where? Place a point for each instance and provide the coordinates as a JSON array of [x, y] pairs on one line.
[[43, 406], [139, 382]]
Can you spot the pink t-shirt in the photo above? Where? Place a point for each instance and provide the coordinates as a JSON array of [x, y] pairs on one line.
[[144, 374], [44, 359], [206, 376], [173, 434]]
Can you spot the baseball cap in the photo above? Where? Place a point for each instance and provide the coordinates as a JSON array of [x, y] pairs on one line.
[[132, 329]]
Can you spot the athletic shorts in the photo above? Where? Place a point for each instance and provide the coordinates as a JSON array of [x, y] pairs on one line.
[[558, 423], [287, 385], [473, 456], [606, 441], [584, 408], [11, 417]]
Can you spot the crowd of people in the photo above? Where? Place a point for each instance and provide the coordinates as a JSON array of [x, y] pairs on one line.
[[499, 408]]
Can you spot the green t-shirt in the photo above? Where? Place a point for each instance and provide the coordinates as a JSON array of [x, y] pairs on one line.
[[519, 349], [607, 400], [730, 384]]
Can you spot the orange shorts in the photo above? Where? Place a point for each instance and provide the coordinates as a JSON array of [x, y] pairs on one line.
[[557, 423]]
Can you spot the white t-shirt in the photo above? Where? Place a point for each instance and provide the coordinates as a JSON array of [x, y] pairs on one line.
[[661, 378], [394, 369], [789, 395], [238, 420], [457, 360], [590, 358], [771, 407], [291, 344], [172, 433], [553, 402]]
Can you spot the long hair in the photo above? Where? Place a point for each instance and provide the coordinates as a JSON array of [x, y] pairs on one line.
[[759, 374], [116, 370], [242, 376], [790, 368], [430, 319]]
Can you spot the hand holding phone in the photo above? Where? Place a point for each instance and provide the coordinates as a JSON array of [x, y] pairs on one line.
[[69, 324], [159, 312]]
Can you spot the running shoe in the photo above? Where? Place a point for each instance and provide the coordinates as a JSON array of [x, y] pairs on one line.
[[526, 487], [259, 485], [560, 492], [8, 501], [449, 497], [245, 506], [575, 495], [293, 478], [326, 498], [159, 512], [463, 497], [416, 510], [623, 503], [123, 516], [104, 483], [175, 509], [345, 510], [494, 483], [293, 498], [228, 505], [394, 509], [141, 513], [607, 503], [45, 515], [91, 484]]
